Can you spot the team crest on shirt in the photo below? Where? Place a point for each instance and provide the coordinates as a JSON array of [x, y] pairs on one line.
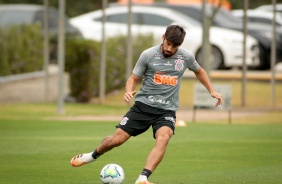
[[180, 56], [179, 64]]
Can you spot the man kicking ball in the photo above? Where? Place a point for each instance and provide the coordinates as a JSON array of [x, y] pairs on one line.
[[161, 69]]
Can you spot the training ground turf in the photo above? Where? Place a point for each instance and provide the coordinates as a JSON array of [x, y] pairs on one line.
[[38, 151]]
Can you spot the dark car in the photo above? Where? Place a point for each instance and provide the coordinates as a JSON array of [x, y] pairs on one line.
[[225, 19], [16, 14]]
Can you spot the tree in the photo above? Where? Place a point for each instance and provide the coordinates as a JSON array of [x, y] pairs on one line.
[[206, 49]]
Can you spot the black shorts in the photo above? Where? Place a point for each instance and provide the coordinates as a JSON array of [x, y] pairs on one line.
[[141, 116]]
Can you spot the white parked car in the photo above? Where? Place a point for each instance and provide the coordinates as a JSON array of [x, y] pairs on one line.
[[269, 7], [227, 47]]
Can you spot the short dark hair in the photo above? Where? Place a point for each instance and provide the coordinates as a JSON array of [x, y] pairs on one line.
[[175, 34]]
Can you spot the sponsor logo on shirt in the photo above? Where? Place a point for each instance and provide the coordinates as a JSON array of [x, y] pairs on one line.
[[167, 63], [157, 56], [179, 64], [157, 100], [165, 79], [179, 56], [163, 64]]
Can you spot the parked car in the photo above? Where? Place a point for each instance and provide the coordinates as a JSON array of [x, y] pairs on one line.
[[225, 19], [17, 14], [226, 44], [256, 16], [269, 7]]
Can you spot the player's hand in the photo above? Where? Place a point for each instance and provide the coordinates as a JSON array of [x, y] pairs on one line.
[[218, 97], [128, 95]]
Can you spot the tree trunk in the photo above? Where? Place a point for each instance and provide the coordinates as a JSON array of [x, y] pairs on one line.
[[206, 47]]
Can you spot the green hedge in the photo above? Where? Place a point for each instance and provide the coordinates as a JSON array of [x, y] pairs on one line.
[[83, 64], [21, 49], [22, 52], [81, 60]]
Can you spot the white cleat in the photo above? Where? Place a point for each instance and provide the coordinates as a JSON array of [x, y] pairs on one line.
[[142, 180], [81, 159]]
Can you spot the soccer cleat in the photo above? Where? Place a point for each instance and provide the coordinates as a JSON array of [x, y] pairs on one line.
[[82, 159], [142, 180]]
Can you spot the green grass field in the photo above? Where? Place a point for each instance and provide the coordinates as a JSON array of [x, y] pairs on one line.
[[36, 147], [39, 151]]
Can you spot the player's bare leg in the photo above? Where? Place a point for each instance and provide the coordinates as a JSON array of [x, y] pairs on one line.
[[112, 141], [106, 145], [163, 136]]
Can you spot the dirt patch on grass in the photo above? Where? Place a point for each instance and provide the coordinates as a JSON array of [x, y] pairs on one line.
[[220, 116], [190, 116]]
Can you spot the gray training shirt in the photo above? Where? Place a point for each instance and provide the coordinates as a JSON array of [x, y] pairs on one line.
[[162, 76]]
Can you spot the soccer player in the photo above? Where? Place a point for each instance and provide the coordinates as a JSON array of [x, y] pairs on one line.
[[161, 69]]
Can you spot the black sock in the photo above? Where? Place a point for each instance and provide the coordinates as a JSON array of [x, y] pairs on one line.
[[95, 154], [146, 172]]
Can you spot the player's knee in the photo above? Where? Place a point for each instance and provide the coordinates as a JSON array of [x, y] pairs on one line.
[[164, 138], [116, 141], [164, 134]]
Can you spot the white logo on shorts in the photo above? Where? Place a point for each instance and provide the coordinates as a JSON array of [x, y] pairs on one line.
[[124, 121], [170, 119]]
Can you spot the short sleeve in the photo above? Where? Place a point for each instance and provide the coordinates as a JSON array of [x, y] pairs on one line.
[[193, 65], [140, 66]]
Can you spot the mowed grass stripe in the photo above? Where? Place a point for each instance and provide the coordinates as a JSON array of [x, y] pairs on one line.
[[40, 152]]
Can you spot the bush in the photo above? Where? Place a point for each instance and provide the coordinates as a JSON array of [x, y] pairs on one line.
[[117, 55], [22, 52], [83, 64], [21, 49]]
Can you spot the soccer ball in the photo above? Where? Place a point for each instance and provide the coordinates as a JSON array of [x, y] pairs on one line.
[[112, 174]]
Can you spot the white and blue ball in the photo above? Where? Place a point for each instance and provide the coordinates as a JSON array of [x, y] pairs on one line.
[[112, 174]]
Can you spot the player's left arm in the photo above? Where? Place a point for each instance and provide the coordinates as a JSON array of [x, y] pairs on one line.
[[202, 76]]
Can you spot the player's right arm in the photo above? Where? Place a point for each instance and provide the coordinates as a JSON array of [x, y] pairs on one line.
[[130, 87], [136, 75]]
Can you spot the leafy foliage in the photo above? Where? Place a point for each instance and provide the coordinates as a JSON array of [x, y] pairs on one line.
[[83, 64], [82, 58], [21, 49]]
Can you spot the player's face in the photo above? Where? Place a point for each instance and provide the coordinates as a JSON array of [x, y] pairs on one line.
[[168, 48]]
